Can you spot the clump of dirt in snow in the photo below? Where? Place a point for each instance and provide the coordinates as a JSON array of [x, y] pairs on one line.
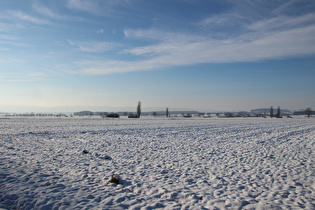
[[115, 179]]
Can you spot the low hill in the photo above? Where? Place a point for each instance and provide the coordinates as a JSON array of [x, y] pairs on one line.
[[267, 110]]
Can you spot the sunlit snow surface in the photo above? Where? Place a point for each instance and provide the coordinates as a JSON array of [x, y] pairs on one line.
[[248, 163]]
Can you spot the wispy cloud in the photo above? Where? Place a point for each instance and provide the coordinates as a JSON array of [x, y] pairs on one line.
[[108, 8], [9, 37], [48, 12], [294, 7], [93, 46], [25, 17], [98, 67], [293, 38], [21, 80], [86, 6], [6, 59], [28, 77], [4, 49], [100, 31], [222, 22], [233, 36], [9, 40], [37, 74], [282, 22]]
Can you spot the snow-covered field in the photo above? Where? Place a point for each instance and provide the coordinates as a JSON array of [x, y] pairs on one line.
[[248, 163]]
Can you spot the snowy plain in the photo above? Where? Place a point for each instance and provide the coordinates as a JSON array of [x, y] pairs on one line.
[[175, 163]]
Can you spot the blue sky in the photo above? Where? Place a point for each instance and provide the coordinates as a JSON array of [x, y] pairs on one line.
[[202, 55]]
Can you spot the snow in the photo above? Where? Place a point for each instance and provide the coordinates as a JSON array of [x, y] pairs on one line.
[[176, 163]]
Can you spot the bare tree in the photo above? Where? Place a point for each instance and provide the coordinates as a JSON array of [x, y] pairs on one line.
[[308, 111], [271, 111], [278, 112], [167, 115], [139, 110]]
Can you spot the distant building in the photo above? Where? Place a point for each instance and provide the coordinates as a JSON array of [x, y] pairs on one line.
[[113, 115]]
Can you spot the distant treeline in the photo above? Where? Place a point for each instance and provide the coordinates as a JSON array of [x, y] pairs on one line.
[[157, 113], [302, 112], [32, 114], [253, 113]]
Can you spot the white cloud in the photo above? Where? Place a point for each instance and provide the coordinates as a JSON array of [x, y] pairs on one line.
[[228, 20], [109, 8], [246, 47], [4, 49], [45, 11], [97, 67], [37, 74], [294, 7], [189, 51], [249, 39], [22, 80], [6, 59], [86, 6], [25, 17], [145, 34], [282, 22], [93, 47], [48, 12], [100, 31], [10, 37]]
